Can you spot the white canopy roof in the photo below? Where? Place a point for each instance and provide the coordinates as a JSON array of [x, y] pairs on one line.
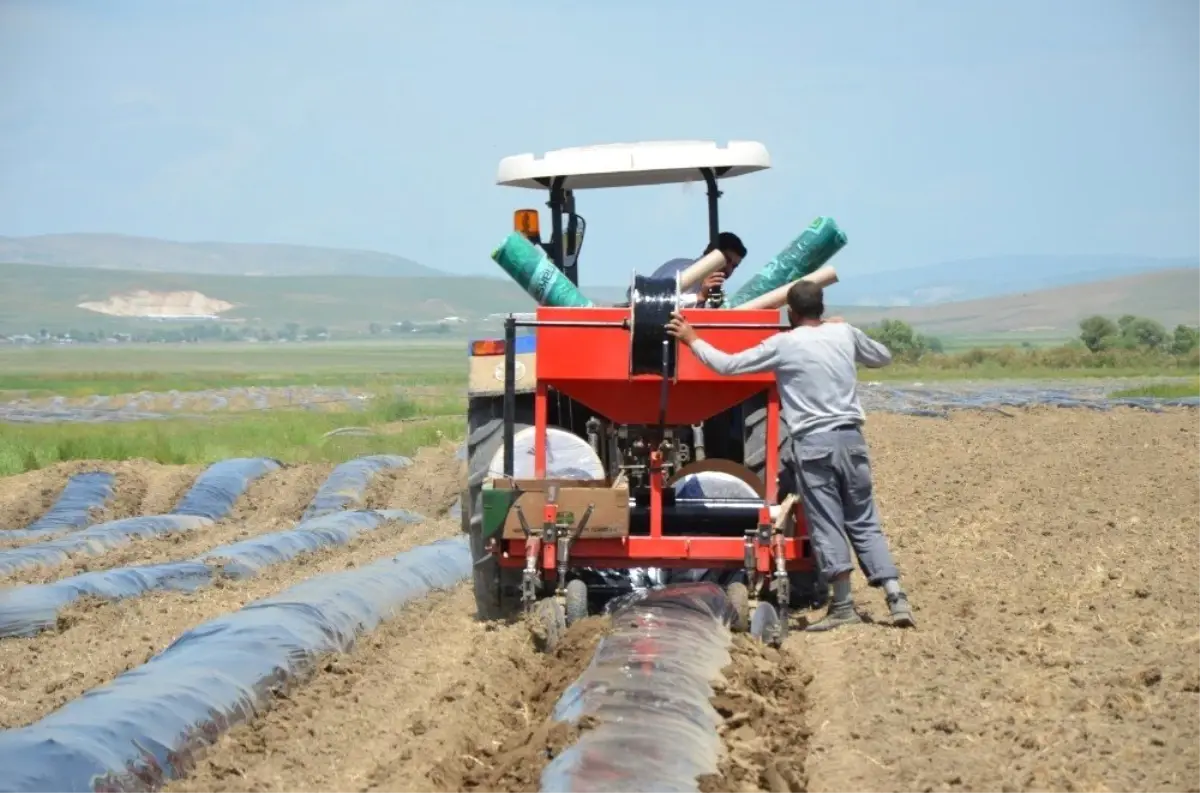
[[633, 164]]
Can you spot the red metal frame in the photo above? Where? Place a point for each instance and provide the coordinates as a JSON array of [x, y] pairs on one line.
[[600, 379]]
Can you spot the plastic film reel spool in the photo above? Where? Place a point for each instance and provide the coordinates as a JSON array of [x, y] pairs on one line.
[[651, 302]]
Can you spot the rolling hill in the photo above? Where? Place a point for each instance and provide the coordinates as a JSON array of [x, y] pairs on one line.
[[121, 252], [972, 279], [919, 286], [1170, 296], [35, 297]]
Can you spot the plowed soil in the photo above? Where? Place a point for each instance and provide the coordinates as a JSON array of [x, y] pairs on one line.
[[141, 488], [273, 502], [434, 701], [98, 640], [1051, 558], [434, 479]]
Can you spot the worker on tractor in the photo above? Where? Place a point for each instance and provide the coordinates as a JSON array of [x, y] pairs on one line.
[[814, 365], [730, 245]]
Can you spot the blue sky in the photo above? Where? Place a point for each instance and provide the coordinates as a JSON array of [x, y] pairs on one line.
[[931, 130]]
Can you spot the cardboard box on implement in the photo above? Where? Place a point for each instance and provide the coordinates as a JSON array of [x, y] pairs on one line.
[[610, 506]]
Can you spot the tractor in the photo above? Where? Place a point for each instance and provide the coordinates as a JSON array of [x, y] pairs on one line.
[[602, 456]]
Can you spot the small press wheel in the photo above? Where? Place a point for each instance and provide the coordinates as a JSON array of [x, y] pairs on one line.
[[548, 624], [739, 600], [577, 601]]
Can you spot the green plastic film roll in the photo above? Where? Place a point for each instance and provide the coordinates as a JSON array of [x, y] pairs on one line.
[[532, 269], [816, 245]]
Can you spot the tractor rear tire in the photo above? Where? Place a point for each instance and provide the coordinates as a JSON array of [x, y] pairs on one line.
[[497, 589], [807, 589], [738, 595], [577, 601]]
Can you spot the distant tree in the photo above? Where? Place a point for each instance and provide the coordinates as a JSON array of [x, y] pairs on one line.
[[1185, 339], [1097, 332], [316, 332], [291, 331], [900, 338], [1142, 332], [375, 328]]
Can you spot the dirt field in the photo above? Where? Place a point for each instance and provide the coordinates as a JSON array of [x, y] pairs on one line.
[[141, 488], [97, 640], [1052, 560]]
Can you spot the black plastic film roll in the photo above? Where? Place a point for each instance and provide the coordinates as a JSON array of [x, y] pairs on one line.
[[651, 302]]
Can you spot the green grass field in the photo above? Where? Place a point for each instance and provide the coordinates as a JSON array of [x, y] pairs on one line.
[[395, 426], [1190, 388], [78, 371], [991, 341], [399, 423], [128, 368]]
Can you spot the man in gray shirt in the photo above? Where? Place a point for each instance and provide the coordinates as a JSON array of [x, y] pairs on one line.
[[814, 366]]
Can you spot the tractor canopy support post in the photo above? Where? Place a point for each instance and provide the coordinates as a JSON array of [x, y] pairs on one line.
[[558, 247], [714, 193], [510, 391]]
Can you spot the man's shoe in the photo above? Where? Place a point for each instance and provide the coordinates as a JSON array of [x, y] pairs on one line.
[[838, 615], [902, 616]]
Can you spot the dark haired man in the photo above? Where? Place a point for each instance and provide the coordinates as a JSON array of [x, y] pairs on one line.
[[814, 366], [729, 244]]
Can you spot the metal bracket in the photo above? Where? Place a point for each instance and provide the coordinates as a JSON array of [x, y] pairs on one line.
[[524, 523], [565, 541]]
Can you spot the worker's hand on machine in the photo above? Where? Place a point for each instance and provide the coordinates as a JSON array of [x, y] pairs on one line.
[[710, 283], [678, 327]]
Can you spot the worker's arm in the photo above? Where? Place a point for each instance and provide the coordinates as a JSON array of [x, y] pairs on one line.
[[869, 352], [756, 359], [759, 358]]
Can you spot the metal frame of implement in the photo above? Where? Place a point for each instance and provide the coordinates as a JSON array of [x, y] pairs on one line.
[[601, 380]]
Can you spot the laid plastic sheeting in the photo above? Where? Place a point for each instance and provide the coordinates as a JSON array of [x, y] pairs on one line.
[[198, 405], [74, 508], [98, 539], [347, 484], [220, 486], [149, 406], [246, 558], [648, 690], [27, 610], [919, 400], [141, 730]]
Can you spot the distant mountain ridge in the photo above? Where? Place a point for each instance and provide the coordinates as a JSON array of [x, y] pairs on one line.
[[147, 254], [1170, 296], [973, 279], [60, 298], [935, 284]]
